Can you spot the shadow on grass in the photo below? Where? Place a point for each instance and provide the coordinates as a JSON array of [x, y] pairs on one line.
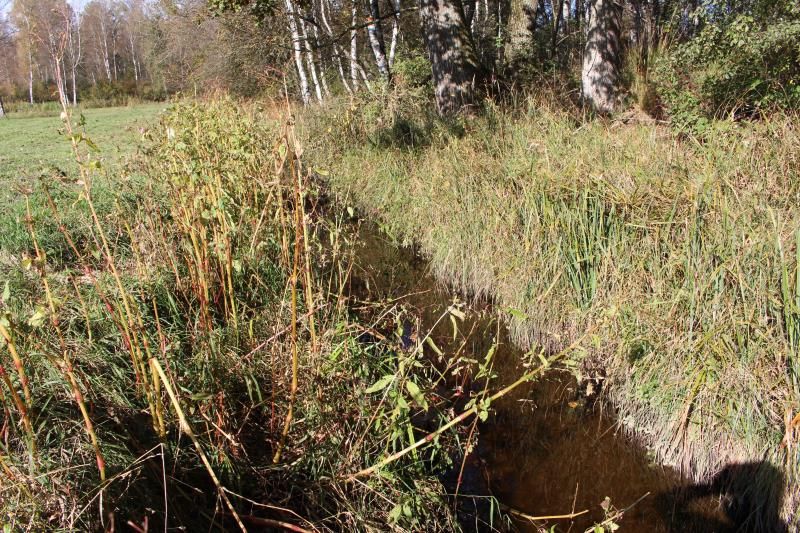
[[742, 497]]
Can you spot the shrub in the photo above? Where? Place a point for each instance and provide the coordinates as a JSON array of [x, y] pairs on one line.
[[742, 66]]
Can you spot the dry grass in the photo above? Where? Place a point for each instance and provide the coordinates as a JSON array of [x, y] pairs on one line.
[[156, 372], [671, 246]]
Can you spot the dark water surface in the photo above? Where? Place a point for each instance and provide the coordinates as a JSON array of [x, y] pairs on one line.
[[550, 447]]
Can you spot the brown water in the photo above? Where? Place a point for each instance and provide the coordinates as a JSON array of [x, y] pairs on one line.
[[549, 448]]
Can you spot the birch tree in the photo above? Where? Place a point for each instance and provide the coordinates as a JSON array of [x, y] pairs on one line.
[[375, 36]]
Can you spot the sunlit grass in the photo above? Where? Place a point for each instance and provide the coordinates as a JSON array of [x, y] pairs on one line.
[[667, 242]]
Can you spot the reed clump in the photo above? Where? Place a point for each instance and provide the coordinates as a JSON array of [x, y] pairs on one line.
[[178, 355]]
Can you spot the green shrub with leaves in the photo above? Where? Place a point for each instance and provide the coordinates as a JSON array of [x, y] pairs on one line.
[[745, 65]]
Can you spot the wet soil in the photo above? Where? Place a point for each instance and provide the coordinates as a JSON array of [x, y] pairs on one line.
[[553, 447]]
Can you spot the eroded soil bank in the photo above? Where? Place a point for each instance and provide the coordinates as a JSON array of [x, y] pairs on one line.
[[554, 446]]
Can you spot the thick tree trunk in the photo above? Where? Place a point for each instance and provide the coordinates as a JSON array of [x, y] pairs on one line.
[[454, 64], [521, 28], [601, 58]]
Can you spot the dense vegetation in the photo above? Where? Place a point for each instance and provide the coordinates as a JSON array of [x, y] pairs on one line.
[[682, 256], [158, 333], [178, 344]]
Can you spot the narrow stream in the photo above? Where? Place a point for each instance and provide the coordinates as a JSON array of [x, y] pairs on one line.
[[551, 447]]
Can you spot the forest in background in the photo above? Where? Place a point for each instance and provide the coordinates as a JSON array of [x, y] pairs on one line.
[[690, 60]]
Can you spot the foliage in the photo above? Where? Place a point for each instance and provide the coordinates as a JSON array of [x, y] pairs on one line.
[[740, 66], [189, 269]]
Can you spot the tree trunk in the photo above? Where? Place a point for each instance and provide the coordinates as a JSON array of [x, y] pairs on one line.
[[337, 52], [305, 93], [454, 64], [2, 108], [318, 59], [310, 58], [521, 27], [558, 12], [106, 59], [395, 32], [30, 84], [74, 89], [601, 58], [375, 35]]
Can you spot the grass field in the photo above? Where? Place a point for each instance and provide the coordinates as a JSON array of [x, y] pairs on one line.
[[29, 144]]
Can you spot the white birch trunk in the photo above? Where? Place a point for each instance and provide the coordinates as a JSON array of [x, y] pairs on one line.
[[106, 60], [375, 36], [395, 32], [336, 50], [305, 93], [310, 61], [74, 88], [354, 48], [30, 80], [320, 66], [133, 58]]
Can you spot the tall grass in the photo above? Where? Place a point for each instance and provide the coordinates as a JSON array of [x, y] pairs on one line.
[[175, 349], [665, 244]]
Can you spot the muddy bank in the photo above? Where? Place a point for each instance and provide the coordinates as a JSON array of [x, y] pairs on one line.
[[553, 447]]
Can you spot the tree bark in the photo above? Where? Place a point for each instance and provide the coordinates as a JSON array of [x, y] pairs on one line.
[[454, 64], [395, 32], [521, 27], [305, 93], [354, 48], [558, 12], [376, 41], [310, 57], [2, 108], [601, 58], [30, 82]]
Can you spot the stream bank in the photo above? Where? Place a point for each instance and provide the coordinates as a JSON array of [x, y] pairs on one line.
[[554, 446], [682, 257]]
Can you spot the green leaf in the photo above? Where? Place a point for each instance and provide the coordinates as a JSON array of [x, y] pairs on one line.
[[517, 314], [429, 342], [37, 319], [380, 384], [416, 393], [6, 292]]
